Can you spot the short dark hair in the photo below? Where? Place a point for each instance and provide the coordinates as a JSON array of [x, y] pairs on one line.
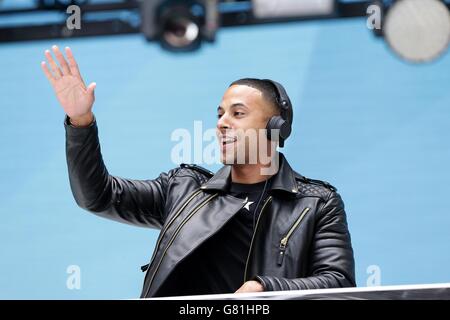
[[267, 89]]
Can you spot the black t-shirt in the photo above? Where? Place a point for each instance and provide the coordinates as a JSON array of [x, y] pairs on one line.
[[217, 266]]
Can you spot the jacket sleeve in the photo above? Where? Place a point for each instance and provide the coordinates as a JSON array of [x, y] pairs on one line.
[[136, 202], [331, 258]]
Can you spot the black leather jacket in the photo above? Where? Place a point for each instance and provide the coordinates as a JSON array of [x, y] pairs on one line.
[[301, 240]]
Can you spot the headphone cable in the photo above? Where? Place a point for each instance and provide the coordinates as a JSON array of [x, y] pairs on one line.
[[259, 201]]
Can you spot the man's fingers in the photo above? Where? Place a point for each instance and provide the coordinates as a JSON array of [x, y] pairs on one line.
[[72, 63], [56, 71], [61, 60], [47, 72]]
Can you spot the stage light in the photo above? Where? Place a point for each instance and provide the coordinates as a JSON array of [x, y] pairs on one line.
[[417, 30], [179, 25]]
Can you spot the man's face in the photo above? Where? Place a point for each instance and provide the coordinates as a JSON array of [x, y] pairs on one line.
[[242, 115]]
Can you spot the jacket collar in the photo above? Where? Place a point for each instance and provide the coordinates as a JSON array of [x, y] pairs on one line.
[[284, 179]]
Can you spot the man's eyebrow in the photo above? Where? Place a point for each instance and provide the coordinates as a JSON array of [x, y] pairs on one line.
[[234, 105], [238, 104]]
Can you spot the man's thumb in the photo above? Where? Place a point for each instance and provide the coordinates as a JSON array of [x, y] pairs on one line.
[[91, 87]]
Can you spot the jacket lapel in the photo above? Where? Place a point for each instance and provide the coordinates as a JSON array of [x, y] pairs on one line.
[[202, 222]]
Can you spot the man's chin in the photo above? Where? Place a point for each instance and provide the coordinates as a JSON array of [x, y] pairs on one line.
[[233, 160], [228, 160]]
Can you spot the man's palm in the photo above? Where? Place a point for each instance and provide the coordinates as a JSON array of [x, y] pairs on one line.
[[73, 96], [69, 87]]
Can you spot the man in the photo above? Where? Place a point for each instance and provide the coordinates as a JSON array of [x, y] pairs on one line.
[[254, 226]]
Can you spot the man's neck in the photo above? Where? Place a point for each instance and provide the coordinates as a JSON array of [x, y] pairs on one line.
[[248, 173]]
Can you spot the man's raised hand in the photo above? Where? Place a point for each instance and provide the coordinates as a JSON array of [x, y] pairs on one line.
[[75, 98]]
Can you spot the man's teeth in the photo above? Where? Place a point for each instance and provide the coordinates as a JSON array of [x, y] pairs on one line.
[[228, 140]]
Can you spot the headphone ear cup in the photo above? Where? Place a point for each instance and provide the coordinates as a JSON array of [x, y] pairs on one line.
[[278, 123]]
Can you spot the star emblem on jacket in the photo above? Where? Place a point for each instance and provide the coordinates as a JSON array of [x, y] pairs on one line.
[[248, 204]]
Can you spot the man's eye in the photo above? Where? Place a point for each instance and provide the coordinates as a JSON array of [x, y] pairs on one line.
[[237, 113], [218, 116]]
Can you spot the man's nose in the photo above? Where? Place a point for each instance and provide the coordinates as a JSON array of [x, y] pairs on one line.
[[223, 122]]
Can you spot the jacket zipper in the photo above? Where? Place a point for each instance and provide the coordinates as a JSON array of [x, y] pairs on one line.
[[145, 267], [285, 239], [172, 239], [253, 236]]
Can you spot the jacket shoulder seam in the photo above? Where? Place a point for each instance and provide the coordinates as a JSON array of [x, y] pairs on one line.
[[193, 171], [197, 168], [315, 188]]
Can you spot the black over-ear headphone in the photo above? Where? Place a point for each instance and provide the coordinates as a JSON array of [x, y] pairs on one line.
[[283, 122]]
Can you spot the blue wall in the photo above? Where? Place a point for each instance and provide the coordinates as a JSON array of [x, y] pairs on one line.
[[373, 126]]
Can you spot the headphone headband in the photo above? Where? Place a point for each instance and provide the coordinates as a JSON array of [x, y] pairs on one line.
[[283, 101]]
